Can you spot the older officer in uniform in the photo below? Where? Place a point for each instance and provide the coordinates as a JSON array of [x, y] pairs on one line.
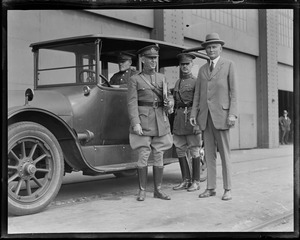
[[185, 136], [148, 101], [215, 110], [122, 77]]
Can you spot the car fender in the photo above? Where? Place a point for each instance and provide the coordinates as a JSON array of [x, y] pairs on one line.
[[65, 135]]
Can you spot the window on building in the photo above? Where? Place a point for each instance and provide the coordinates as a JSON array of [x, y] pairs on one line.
[[235, 18], [285, 27]]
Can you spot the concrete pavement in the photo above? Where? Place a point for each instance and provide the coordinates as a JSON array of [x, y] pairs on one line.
[[262, 190]]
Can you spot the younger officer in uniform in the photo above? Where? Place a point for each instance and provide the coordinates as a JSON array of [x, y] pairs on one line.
[[125, 71], [149, 125], [185, 136]]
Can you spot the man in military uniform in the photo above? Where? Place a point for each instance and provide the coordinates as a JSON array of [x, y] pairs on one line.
[[148, 102], [122, 77], [185, 136]]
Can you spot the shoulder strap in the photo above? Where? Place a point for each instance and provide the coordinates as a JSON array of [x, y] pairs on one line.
[[179, 92], [156, 91]]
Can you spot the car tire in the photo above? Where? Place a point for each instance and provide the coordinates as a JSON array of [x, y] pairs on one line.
[[35, 168], [126, 173]]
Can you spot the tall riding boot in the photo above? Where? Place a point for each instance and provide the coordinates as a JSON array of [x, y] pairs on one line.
[[142, 173], [157, 177], [186, 175], [196, 175]]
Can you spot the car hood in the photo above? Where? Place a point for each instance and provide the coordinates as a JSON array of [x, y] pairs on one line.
[[50, 100]]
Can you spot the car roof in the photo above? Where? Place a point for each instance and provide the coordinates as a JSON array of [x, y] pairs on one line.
[[114, 43]]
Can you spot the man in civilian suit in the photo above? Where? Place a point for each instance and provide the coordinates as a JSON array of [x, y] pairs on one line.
[[215, 111]]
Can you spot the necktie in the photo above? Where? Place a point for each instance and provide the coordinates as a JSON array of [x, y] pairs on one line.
[[211, 68]]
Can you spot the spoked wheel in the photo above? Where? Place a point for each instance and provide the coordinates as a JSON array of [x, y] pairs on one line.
[[35, 168]]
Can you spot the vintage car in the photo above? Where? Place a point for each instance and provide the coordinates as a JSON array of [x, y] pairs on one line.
[[73, 119]]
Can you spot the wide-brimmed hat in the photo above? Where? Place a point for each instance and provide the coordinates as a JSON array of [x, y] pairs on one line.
[[185, 57], [212, 38], [124, 56], [285, 112], [149, 51]]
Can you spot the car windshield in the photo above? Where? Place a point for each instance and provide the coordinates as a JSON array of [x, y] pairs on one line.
[[67, 64]]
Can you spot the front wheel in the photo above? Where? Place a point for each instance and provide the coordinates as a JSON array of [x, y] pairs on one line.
[[35, 168]]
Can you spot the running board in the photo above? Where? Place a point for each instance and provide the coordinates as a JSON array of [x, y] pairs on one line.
[[116, 167], [107, 169]]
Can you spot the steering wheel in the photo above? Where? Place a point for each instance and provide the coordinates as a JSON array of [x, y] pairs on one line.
[[106, 82], [90, 79]]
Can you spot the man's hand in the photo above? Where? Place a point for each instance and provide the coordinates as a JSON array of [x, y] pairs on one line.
[[169, 105], [196, 130], [138, 129], [231, 120], [193, 121]]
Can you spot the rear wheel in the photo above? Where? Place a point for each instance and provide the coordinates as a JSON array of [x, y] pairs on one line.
[[35, 168]]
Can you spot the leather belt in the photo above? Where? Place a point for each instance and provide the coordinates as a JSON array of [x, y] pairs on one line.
[[182, 105], [150, 104]]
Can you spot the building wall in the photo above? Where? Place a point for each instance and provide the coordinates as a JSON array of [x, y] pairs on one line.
[[26, 27], [239, 28]]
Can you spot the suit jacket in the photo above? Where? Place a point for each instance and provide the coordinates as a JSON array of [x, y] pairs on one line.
[[285, 123], [215, 92], [154, 121]]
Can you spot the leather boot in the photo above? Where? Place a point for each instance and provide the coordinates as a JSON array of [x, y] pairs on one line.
[[142, 173], [157, 177], [186, 175], [196, 175]]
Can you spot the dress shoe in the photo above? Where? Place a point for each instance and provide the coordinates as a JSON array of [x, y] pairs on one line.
[[161, 195], [208, 193], [184, 185], [227, 195], [194, 187]]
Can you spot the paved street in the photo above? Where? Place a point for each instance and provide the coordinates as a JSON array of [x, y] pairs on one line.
[[262, 190]]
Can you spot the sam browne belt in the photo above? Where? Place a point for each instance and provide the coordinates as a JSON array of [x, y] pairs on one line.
[[150, 104], [182, 105]]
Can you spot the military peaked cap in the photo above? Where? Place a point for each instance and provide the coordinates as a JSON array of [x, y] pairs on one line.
[[149, 51], [124, 56], [185, 57]]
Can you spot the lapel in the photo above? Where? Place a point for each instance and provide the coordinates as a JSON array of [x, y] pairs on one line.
[[217, 68]]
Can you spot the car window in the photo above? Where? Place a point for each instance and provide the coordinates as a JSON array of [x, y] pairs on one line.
[[112, 69], [56, 67], [69, 64]]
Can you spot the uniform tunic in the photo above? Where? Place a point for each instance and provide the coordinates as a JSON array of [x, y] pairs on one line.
[[155, 124], [152, 120], [122, 77], [184, 138]]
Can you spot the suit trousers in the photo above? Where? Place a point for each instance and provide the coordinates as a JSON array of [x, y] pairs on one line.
[[145, 144], [217, 139]]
